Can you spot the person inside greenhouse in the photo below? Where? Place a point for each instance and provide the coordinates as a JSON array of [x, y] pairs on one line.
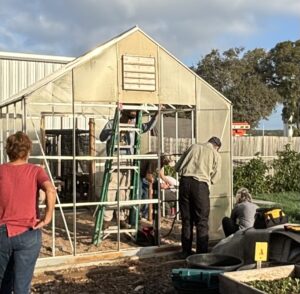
[[149, 174], [123, 179], [242, 215]]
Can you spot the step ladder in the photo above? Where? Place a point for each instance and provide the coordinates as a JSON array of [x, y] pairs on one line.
[[134, 168]]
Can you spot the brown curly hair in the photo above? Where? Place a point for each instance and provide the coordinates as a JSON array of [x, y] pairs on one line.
[[18, 146]]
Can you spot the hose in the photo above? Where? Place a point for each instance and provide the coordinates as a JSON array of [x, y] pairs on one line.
[[172, 226]]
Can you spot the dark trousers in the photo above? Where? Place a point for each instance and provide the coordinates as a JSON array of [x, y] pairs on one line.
[[229, 226], [194, 208]]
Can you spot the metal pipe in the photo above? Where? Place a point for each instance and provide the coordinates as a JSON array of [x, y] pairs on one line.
[[163, 151], [176, 151], [51, 178], [74, 165], [118, 177]]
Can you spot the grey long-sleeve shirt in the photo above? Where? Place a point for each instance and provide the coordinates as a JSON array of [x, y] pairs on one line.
[[129, 137], [202, 162], [244, 214]]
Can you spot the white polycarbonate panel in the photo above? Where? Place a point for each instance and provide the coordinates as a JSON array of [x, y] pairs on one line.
[[223, 187], [96, 79], [56, 92], [219, 207], [214, 123], [218, 123], [210, 99], [176, 83]]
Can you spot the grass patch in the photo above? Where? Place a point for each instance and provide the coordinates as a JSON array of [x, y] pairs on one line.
[[289, 201]]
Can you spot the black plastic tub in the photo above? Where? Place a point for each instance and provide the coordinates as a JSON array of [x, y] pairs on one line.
[[225, 263]]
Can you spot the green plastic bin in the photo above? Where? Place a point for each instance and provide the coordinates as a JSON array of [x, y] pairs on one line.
[[204, 281]]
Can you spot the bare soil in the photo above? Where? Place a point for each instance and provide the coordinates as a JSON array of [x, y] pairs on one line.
[[85, 228], [126, 276]]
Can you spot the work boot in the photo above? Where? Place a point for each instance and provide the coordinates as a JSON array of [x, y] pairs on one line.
[[184, 254], [202, 244]]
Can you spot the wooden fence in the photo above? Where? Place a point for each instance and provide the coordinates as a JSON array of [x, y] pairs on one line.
[[266, 146]]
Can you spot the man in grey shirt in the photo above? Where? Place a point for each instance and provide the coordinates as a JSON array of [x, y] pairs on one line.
[[242, 215]]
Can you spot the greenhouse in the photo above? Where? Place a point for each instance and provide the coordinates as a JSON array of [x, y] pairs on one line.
[[64, 114]]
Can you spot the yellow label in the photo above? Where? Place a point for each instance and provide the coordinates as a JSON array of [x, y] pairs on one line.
[[276, 213], [261, 251]]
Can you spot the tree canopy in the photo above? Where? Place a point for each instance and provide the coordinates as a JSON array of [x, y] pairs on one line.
[[242, 77], [283, 72]]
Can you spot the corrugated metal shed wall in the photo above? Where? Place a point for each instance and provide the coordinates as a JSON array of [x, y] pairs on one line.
[[18, 71]]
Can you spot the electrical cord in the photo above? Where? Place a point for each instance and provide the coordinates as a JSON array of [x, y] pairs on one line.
[[172, 226]]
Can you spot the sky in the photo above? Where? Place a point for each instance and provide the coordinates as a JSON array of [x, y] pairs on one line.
[[189, 29]]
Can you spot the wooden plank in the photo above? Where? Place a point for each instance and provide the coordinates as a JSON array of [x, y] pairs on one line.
[[138, 68], [139, 81], [138, 60], [139, 75], [139, 87]]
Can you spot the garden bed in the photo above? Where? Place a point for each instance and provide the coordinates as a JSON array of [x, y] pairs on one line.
[[242, 281]]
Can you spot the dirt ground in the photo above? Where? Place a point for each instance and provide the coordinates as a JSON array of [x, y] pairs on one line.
[[85, 229], [127, 276]]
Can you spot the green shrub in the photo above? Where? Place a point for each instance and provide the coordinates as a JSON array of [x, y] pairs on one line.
[[251, 175], [286, 171], [254, 174]]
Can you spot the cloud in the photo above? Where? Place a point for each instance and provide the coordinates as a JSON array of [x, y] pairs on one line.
[[186, 28]]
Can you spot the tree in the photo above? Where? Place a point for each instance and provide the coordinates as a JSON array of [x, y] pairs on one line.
[[283, 73], [242, 79]]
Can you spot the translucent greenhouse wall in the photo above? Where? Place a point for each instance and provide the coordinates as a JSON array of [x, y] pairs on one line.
[[214, 119]]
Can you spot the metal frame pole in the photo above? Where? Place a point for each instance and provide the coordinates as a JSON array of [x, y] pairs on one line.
[[51, 178], [74, 167]]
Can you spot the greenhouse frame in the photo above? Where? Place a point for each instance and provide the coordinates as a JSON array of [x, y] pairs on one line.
[[64, 113]]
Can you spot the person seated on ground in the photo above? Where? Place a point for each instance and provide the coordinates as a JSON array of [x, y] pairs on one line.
[[242, 215], [149, 173]]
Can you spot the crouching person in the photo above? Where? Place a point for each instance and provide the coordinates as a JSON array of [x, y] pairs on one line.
[[242, 215]]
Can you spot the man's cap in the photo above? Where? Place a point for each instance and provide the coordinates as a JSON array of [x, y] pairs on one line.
[[215, 141]]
